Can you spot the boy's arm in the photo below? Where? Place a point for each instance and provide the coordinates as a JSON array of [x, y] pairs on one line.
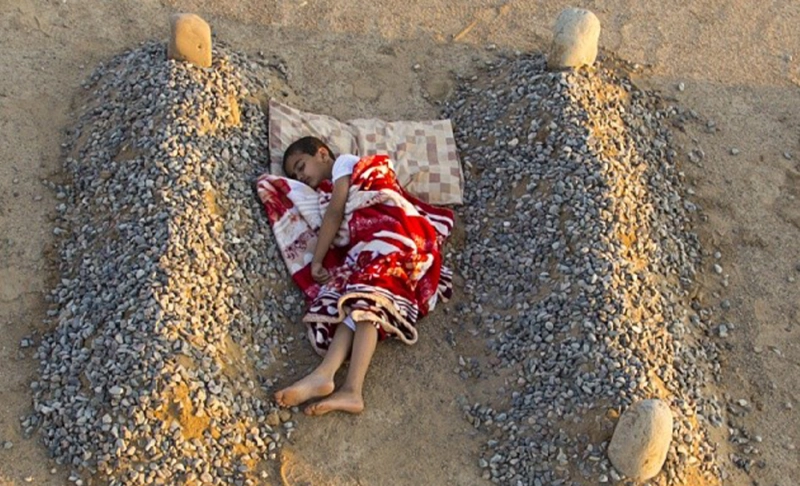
[[332, 219]]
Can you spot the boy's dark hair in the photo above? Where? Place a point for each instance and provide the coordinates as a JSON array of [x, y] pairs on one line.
[[306, 145]]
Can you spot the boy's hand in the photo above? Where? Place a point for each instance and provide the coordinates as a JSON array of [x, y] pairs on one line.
[[319, 274]]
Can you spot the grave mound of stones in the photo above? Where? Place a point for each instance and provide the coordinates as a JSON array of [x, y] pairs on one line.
[[166, 314], [579, 263]]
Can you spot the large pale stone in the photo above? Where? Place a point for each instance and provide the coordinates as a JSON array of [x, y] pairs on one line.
[[575, 38], [641, 439], [190, 39]]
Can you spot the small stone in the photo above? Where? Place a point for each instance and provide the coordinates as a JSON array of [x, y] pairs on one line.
[[723, 331], [717, 268], [787, 156], [575, 39], [8, 444], [734, 151], [641, 439], [416, 67], [273, 419], [681, 86], [190, 40]]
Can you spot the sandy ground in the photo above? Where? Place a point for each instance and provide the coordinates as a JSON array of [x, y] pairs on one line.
[[739, 61]]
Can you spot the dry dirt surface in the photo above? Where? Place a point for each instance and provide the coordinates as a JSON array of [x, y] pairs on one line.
[[737, 60]]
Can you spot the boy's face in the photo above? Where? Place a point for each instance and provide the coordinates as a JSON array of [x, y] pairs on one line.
[[310, 169]]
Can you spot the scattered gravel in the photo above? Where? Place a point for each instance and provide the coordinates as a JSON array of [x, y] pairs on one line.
[[579, 261]]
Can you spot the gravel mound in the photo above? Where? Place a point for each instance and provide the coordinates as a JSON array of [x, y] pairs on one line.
[[165, 315], [579, 261]]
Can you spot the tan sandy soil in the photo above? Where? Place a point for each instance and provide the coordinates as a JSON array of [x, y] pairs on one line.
[[739, 60]]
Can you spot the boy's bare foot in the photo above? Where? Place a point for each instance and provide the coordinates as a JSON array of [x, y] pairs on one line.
[[312, 386], [342, 400]]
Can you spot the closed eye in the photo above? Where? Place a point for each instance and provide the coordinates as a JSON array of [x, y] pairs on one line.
[[298, 171], [293, 174]]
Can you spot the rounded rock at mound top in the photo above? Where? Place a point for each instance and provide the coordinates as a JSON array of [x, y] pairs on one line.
[[575, 38], [190, 39], [641, 439]]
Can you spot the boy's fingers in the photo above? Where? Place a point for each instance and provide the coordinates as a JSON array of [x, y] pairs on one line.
[[321, 275]]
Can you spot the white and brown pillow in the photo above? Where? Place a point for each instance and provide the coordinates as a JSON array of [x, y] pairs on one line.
[[423, 152]]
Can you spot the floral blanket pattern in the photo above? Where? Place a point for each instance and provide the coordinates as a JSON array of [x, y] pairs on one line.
[[385, 262]]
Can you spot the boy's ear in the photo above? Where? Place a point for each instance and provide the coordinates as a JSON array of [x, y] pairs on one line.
[[324, 152]]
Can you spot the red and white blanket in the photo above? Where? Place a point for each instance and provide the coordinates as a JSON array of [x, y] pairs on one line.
[[385, 262]]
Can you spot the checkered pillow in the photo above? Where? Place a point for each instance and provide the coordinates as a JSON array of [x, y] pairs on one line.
[[423, 153]]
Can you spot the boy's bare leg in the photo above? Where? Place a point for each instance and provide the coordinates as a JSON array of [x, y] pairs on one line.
[[319, 383], [349, 397]]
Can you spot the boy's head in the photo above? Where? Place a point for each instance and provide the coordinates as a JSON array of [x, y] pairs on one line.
[[309, 161]]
